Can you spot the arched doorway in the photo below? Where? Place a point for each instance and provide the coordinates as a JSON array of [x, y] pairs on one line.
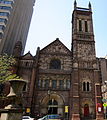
[[86, 110], [52, 106]]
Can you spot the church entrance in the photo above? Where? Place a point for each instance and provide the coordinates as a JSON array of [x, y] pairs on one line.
[[86, 110], [52, 106]]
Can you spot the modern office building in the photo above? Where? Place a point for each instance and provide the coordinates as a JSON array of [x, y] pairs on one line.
[[15, 18]]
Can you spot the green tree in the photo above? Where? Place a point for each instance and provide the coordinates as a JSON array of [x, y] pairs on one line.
[[6, 68]]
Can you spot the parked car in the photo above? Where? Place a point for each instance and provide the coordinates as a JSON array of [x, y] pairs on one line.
[[50, 117], [27, 118]]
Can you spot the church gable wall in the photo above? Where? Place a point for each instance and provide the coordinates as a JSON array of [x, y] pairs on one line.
[[56, 47], [45, 59]]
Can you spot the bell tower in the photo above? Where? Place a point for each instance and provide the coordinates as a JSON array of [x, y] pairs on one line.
[[85, 74], [82, 33]]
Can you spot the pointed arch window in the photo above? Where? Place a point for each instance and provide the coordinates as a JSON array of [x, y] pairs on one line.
[[86, 86], [86, 26], [80, 25], [55, 64]]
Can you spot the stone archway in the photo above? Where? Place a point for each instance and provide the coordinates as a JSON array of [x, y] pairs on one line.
[[52, 104]]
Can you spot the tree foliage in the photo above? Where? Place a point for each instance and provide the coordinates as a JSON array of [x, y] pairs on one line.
[[6, 68]]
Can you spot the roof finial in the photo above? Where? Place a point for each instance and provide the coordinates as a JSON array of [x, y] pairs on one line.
[[89, 5], [57, 38], [75, 4]]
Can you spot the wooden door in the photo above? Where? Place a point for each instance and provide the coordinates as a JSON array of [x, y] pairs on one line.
[[86, 110]]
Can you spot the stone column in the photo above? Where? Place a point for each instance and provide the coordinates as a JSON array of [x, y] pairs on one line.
[[75, 96]]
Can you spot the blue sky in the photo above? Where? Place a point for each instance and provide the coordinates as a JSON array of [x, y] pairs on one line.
[[52, 19]]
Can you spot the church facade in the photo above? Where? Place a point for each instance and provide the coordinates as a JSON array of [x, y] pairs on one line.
[[62, 81]]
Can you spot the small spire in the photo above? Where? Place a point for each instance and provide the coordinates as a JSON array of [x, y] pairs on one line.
[[89, 5], [57, 38], [75, 4], [28, 51]]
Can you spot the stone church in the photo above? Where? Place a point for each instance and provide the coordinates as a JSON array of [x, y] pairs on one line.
[[62, 81]]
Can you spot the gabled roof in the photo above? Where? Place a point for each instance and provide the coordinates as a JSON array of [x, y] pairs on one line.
[[55, 47], [27, 56]]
